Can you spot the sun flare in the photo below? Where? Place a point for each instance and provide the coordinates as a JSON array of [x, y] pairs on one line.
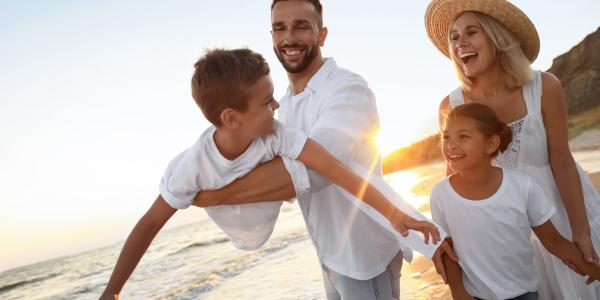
[[386, 142]]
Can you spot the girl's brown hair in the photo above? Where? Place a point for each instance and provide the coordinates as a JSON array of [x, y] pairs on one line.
[[487, 122]]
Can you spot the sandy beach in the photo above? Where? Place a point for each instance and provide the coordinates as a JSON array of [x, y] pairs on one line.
[[419, 280]]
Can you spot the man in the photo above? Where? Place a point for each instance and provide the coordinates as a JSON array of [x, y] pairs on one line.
[[359, 258]]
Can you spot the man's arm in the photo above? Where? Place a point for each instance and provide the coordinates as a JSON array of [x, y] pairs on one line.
[[136, 245], [269, 181]]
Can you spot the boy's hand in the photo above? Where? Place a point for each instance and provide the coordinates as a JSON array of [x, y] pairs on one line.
[[405, 223], [109, 297]]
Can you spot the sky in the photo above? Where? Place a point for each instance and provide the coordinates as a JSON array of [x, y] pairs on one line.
[[95, 98]]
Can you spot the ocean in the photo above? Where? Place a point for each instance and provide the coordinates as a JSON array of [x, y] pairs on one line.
[[194, 261]]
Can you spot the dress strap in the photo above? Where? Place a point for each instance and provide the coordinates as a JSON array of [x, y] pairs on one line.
[[456, 97], [532, 92]]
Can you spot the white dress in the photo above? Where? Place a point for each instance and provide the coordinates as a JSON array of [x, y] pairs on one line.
[[528, 153]]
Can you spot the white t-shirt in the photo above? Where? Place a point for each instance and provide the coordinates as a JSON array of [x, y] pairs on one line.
[[492, 236], [202, 167]]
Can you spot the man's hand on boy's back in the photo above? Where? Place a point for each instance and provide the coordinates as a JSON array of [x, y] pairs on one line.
[[206, 198], [270, 181]]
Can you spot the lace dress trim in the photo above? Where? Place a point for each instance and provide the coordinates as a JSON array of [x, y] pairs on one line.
[[510, 157]]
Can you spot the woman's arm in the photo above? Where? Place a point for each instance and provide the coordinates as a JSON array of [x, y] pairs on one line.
[[565, 250], [317, 158], [136, 245], [563, 165]]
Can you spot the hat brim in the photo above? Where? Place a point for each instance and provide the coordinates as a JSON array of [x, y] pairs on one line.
[[441, 14]]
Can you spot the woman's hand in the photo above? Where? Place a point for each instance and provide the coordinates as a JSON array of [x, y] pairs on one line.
[[585, 245]]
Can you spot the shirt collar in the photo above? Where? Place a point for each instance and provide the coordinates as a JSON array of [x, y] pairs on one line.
[[318, 79]]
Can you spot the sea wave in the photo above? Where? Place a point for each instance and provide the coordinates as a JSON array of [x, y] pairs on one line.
[[228, 268], [200, 244], [21, 283]]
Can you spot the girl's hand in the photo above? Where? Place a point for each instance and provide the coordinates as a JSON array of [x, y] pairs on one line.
[[585, 245], [595, 274], [444, 248], [574, 268], [406, 223]]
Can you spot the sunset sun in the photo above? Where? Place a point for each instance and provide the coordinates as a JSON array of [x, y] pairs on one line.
[[386, 142]]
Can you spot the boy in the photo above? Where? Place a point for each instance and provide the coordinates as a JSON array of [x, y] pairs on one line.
[[233, 88]]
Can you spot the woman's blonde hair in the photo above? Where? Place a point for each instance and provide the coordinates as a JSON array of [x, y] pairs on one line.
[[506, 48]]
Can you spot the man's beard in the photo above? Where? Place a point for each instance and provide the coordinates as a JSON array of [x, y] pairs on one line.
[[303, 64]]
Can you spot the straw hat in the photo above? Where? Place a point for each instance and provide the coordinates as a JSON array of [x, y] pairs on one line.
[[441, 14]]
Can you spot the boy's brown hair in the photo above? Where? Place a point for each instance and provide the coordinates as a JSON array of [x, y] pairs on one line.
[[221, 79]]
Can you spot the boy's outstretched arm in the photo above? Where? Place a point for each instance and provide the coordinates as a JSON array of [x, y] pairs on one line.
[[251, 188], [566, 250], [136, 245], [317, 158]]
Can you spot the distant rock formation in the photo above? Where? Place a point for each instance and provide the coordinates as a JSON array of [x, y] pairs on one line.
[[419, 153], [579, 73]]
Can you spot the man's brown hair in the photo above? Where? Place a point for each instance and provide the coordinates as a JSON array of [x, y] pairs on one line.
[[316, 3], [221, 79]]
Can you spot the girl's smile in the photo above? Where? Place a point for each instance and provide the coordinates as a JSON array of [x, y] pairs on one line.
[[464, 146]]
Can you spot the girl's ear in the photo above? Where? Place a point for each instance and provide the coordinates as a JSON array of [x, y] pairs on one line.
[[229, 118], [493, 143]]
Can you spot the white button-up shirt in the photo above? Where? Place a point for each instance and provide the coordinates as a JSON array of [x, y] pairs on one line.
[[338, 110]]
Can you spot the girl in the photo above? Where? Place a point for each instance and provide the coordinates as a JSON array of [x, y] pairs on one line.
[[489, 212], [492, 44]]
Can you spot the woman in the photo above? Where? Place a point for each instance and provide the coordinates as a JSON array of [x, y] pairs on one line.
[[492, 44]]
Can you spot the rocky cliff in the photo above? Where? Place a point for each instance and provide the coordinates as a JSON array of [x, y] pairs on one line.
[[579, 73]]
